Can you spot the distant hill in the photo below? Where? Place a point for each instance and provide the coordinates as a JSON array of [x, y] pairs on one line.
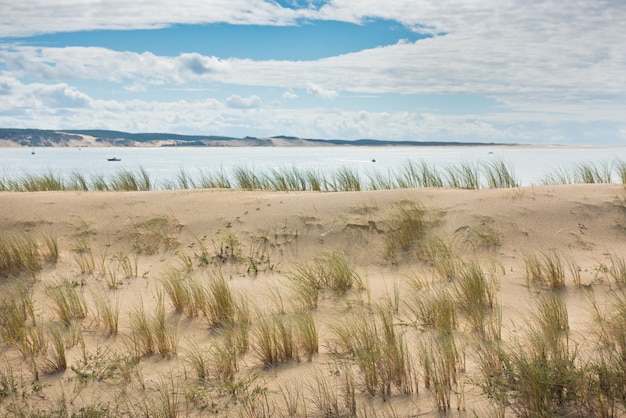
[[94, 137]]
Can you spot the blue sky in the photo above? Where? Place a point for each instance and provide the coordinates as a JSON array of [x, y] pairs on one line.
[[432, 70]]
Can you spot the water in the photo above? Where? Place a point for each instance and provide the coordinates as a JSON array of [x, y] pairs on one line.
[[531, 165]]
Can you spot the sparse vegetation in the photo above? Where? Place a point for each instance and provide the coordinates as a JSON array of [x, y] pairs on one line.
[[140, 319], [25, 254], [545, 268], [330, 271]]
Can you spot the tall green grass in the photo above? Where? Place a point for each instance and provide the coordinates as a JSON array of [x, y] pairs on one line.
[[410, 174], [379, 348], [585, 173], [329, 271], [25, 253]]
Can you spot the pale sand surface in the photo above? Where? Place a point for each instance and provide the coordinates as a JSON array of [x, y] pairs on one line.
[[586, 222]]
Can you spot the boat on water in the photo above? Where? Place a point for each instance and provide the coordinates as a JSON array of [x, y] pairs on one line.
[[114, 159]]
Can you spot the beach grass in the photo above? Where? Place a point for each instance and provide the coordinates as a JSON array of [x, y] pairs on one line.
[[410, 174]]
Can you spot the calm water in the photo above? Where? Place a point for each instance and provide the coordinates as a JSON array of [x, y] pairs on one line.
[[531, 165]]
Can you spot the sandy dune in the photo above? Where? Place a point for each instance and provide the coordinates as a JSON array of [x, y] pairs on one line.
[[255, 240]]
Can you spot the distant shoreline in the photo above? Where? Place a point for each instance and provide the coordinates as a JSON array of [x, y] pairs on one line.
[[103, 138], [27, 138]]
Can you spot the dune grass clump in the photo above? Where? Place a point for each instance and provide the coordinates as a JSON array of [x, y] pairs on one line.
[[499, 175], [544, 373], [611, 323], [108, 310], [247, 179], [545, 267], [413, 175], [334, 396], [582, 173], [463, 176], [407, 227], [153, 335], [607, 371], [434, 308], [25, 253], [441, 363], [69, 303], [330, 270], [187, 294], [131, 181], [615, 269], [17, 312], [379, 349], [281, 337], [274, 339], [47, 181], [223, 308], [213, 180], [345, 180], [537, 374], [475, 294]]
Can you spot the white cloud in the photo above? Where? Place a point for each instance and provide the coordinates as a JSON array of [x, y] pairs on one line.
[[290, 95], [58, 106], [238, 102], [200, 65], [95, 63], [319, 91], [546, 63], [43, 16]]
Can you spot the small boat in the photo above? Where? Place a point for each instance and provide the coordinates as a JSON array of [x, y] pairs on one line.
[[373, 160], [114, 159]]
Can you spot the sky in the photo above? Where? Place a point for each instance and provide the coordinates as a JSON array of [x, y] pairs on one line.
[[507, 71]]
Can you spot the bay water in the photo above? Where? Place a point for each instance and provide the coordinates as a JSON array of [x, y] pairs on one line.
[[530, 164]]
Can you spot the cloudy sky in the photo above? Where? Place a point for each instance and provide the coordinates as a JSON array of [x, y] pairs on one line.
[[524, 71]]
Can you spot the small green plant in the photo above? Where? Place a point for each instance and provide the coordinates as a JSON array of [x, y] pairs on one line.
[[108, 312], [407, 227], [18, 254], [306, 333], [476, 293], [274, 339], [330, 270], [434, 308], [615, 269], [154, 335], [441, 362], [199, 361], [17, 313], [58, 362], [69, 303], [224, 358], [227, 247], [165, 335], [545, 267]]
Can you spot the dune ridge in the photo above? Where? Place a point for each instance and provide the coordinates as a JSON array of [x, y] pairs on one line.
[[265, 345]]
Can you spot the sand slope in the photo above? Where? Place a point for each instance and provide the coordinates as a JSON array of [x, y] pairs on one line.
[[269, 233]]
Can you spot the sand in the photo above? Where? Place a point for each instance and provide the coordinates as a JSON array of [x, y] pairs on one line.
[[275, 232]]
